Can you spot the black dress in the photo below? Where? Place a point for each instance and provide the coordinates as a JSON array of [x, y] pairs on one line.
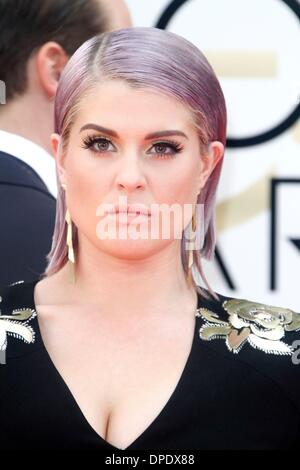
[[239, 389]]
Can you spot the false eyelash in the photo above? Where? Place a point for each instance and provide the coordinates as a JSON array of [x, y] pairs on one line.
[[90, 140], [175, 145]]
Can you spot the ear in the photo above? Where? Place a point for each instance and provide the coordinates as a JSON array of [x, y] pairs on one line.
[[50, 62], [57, 150], [209, 160]]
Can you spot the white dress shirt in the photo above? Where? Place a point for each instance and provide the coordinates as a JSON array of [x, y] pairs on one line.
[[32, 154]]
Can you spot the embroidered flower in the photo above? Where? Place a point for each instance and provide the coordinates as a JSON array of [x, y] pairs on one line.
[[262, 326], [15, 325]]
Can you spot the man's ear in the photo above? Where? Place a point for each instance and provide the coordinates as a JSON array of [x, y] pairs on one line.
[[50, 62], [209, 160], [56, 144]]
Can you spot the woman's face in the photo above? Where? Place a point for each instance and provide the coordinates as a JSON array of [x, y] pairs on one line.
[[137, 145]]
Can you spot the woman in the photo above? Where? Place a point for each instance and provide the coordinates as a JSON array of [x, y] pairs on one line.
[[117, 346]]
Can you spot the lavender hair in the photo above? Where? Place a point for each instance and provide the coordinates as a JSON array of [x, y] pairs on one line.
[[144, 57]]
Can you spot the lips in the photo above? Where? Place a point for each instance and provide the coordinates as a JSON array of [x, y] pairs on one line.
[[135, 209]]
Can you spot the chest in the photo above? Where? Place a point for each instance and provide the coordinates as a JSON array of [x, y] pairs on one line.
[[120, 378]]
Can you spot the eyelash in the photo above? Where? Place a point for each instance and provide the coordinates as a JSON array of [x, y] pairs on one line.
[[89, 141]]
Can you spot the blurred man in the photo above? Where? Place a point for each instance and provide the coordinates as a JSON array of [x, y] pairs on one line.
[[37, 37]]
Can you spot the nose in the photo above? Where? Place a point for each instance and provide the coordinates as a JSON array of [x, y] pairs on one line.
[[130, 175]]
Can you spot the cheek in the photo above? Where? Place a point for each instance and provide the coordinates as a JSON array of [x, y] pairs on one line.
[[178, 186], [177, 190], [87, 188], [85, 178]]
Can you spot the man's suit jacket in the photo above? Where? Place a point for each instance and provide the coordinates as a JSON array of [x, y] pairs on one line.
[[27, 217]]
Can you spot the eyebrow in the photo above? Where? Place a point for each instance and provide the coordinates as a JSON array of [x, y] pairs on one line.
[[112, 133]]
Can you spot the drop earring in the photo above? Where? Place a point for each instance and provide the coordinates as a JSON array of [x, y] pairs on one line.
[[191, 249], [71, 256]]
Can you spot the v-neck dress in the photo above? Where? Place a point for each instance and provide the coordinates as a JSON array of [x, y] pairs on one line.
[[239, 388]]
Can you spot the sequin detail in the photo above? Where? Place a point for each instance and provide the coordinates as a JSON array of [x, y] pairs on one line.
[[260, 325], [15, 325]]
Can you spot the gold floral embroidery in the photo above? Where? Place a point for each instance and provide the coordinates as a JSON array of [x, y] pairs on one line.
[[11, 325], [262, 326]]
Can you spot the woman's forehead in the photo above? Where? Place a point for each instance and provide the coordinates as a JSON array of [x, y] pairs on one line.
[[120, 105]]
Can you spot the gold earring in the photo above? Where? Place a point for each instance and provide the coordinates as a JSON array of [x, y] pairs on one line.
[[191, 249], [70, 246]]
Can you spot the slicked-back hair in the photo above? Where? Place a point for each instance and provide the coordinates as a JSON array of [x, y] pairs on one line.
[[144, 58]]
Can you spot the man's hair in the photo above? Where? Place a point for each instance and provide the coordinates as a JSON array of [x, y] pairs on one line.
[[25, 25]]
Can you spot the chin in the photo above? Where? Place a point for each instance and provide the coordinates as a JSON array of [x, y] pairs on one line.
[[130, 249]]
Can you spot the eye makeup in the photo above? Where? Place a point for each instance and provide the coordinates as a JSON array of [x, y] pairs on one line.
[[94, 143]]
